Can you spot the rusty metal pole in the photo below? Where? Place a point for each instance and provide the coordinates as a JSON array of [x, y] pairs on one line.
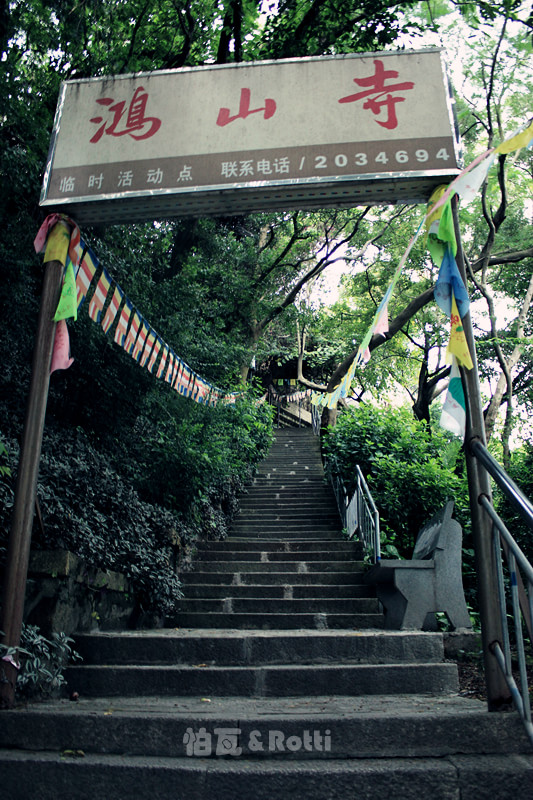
[[479, 484], [26, 486]]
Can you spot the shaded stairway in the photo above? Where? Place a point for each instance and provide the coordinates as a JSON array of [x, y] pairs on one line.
[[273, 681], [285, 564]]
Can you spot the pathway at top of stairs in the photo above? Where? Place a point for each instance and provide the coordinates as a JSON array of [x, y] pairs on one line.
[[275, 680]]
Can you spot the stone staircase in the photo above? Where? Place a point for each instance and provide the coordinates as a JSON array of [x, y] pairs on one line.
[[274, 680]]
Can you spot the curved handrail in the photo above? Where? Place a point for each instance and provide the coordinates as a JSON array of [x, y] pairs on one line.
[[516, 497], [515, 592]]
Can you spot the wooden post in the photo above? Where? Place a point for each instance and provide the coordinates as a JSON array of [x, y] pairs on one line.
[[26, 486], [479, 484]]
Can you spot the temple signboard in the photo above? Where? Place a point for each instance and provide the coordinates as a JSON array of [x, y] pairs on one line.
[[308, 133]]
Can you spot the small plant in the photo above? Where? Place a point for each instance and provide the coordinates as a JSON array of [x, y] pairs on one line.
[[42, 662]]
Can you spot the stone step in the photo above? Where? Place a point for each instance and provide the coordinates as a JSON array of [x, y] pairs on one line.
[[203, 590], [241, 648], [262, 605], [259, 532], [290, 512], [115, 777], [283, 528], [279, 545], [274, 622], [283, 578], [302, 729], [298, 566], [270, 504], [351, 680], [269, 556]]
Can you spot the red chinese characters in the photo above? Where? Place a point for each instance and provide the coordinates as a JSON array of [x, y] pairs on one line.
[[380, 94], [224, 117], [136, 124]]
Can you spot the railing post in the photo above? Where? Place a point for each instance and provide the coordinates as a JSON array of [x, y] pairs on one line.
[[479, 485]]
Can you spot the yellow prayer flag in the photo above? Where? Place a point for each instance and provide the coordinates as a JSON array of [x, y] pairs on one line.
[[521, 139], [57, 243], [458, 345]]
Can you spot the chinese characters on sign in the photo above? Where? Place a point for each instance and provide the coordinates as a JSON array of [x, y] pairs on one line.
[[244, 109], [137, 125], [380, 95]]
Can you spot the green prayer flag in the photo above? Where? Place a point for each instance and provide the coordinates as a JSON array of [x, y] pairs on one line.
[[445, 233], [68, 304]]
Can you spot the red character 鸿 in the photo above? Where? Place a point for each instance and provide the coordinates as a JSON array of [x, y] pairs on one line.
[[382, 96], [244, 109], [137, 125]]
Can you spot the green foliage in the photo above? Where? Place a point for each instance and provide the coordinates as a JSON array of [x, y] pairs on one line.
[[403, 465], [42, 662]]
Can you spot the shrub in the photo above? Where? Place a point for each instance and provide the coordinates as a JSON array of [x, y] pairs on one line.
[[42, 662], [405, 466]]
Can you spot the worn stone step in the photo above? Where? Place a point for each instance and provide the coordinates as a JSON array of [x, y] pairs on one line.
[[259, 532], [283, 528], [262, 605], [279, 545], [116, 777], [290, 512], [239, 648], [289, 729], [265, 681], [258, 578], [268, 556], [299, 566], [264, 621], [203, 590]]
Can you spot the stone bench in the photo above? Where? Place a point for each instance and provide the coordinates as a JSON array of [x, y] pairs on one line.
[[412, 591]]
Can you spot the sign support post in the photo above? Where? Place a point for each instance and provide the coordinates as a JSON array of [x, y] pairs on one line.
[[478, 485], [26, 486]]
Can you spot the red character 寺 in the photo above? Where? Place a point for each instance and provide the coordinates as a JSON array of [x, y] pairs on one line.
[[244, 109], [137, 125], [380, 95]]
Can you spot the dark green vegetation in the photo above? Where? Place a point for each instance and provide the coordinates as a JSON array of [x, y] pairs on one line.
[[133, 474]]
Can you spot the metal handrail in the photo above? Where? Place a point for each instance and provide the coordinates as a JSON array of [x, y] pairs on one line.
[[519, 575], [358, 513]]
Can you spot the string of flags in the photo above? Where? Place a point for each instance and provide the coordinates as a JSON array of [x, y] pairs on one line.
[[291, 398], [61, 240], [450, 292]]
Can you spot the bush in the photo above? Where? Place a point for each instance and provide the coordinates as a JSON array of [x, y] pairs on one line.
[[42, 662], [406, 468], [138, 509]]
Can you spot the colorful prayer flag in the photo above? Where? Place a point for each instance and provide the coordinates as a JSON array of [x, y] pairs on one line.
[[155, 353], [516, 142], [147, 351], [453, 415], [139, 343], [440, 239], [468, 184], [450, 282], [85, 275], [112, 309], [163, 361], [67, 306], [99, 297], [458, 345], [133, 331], [170, 369], [122, 324], [61, 353]]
